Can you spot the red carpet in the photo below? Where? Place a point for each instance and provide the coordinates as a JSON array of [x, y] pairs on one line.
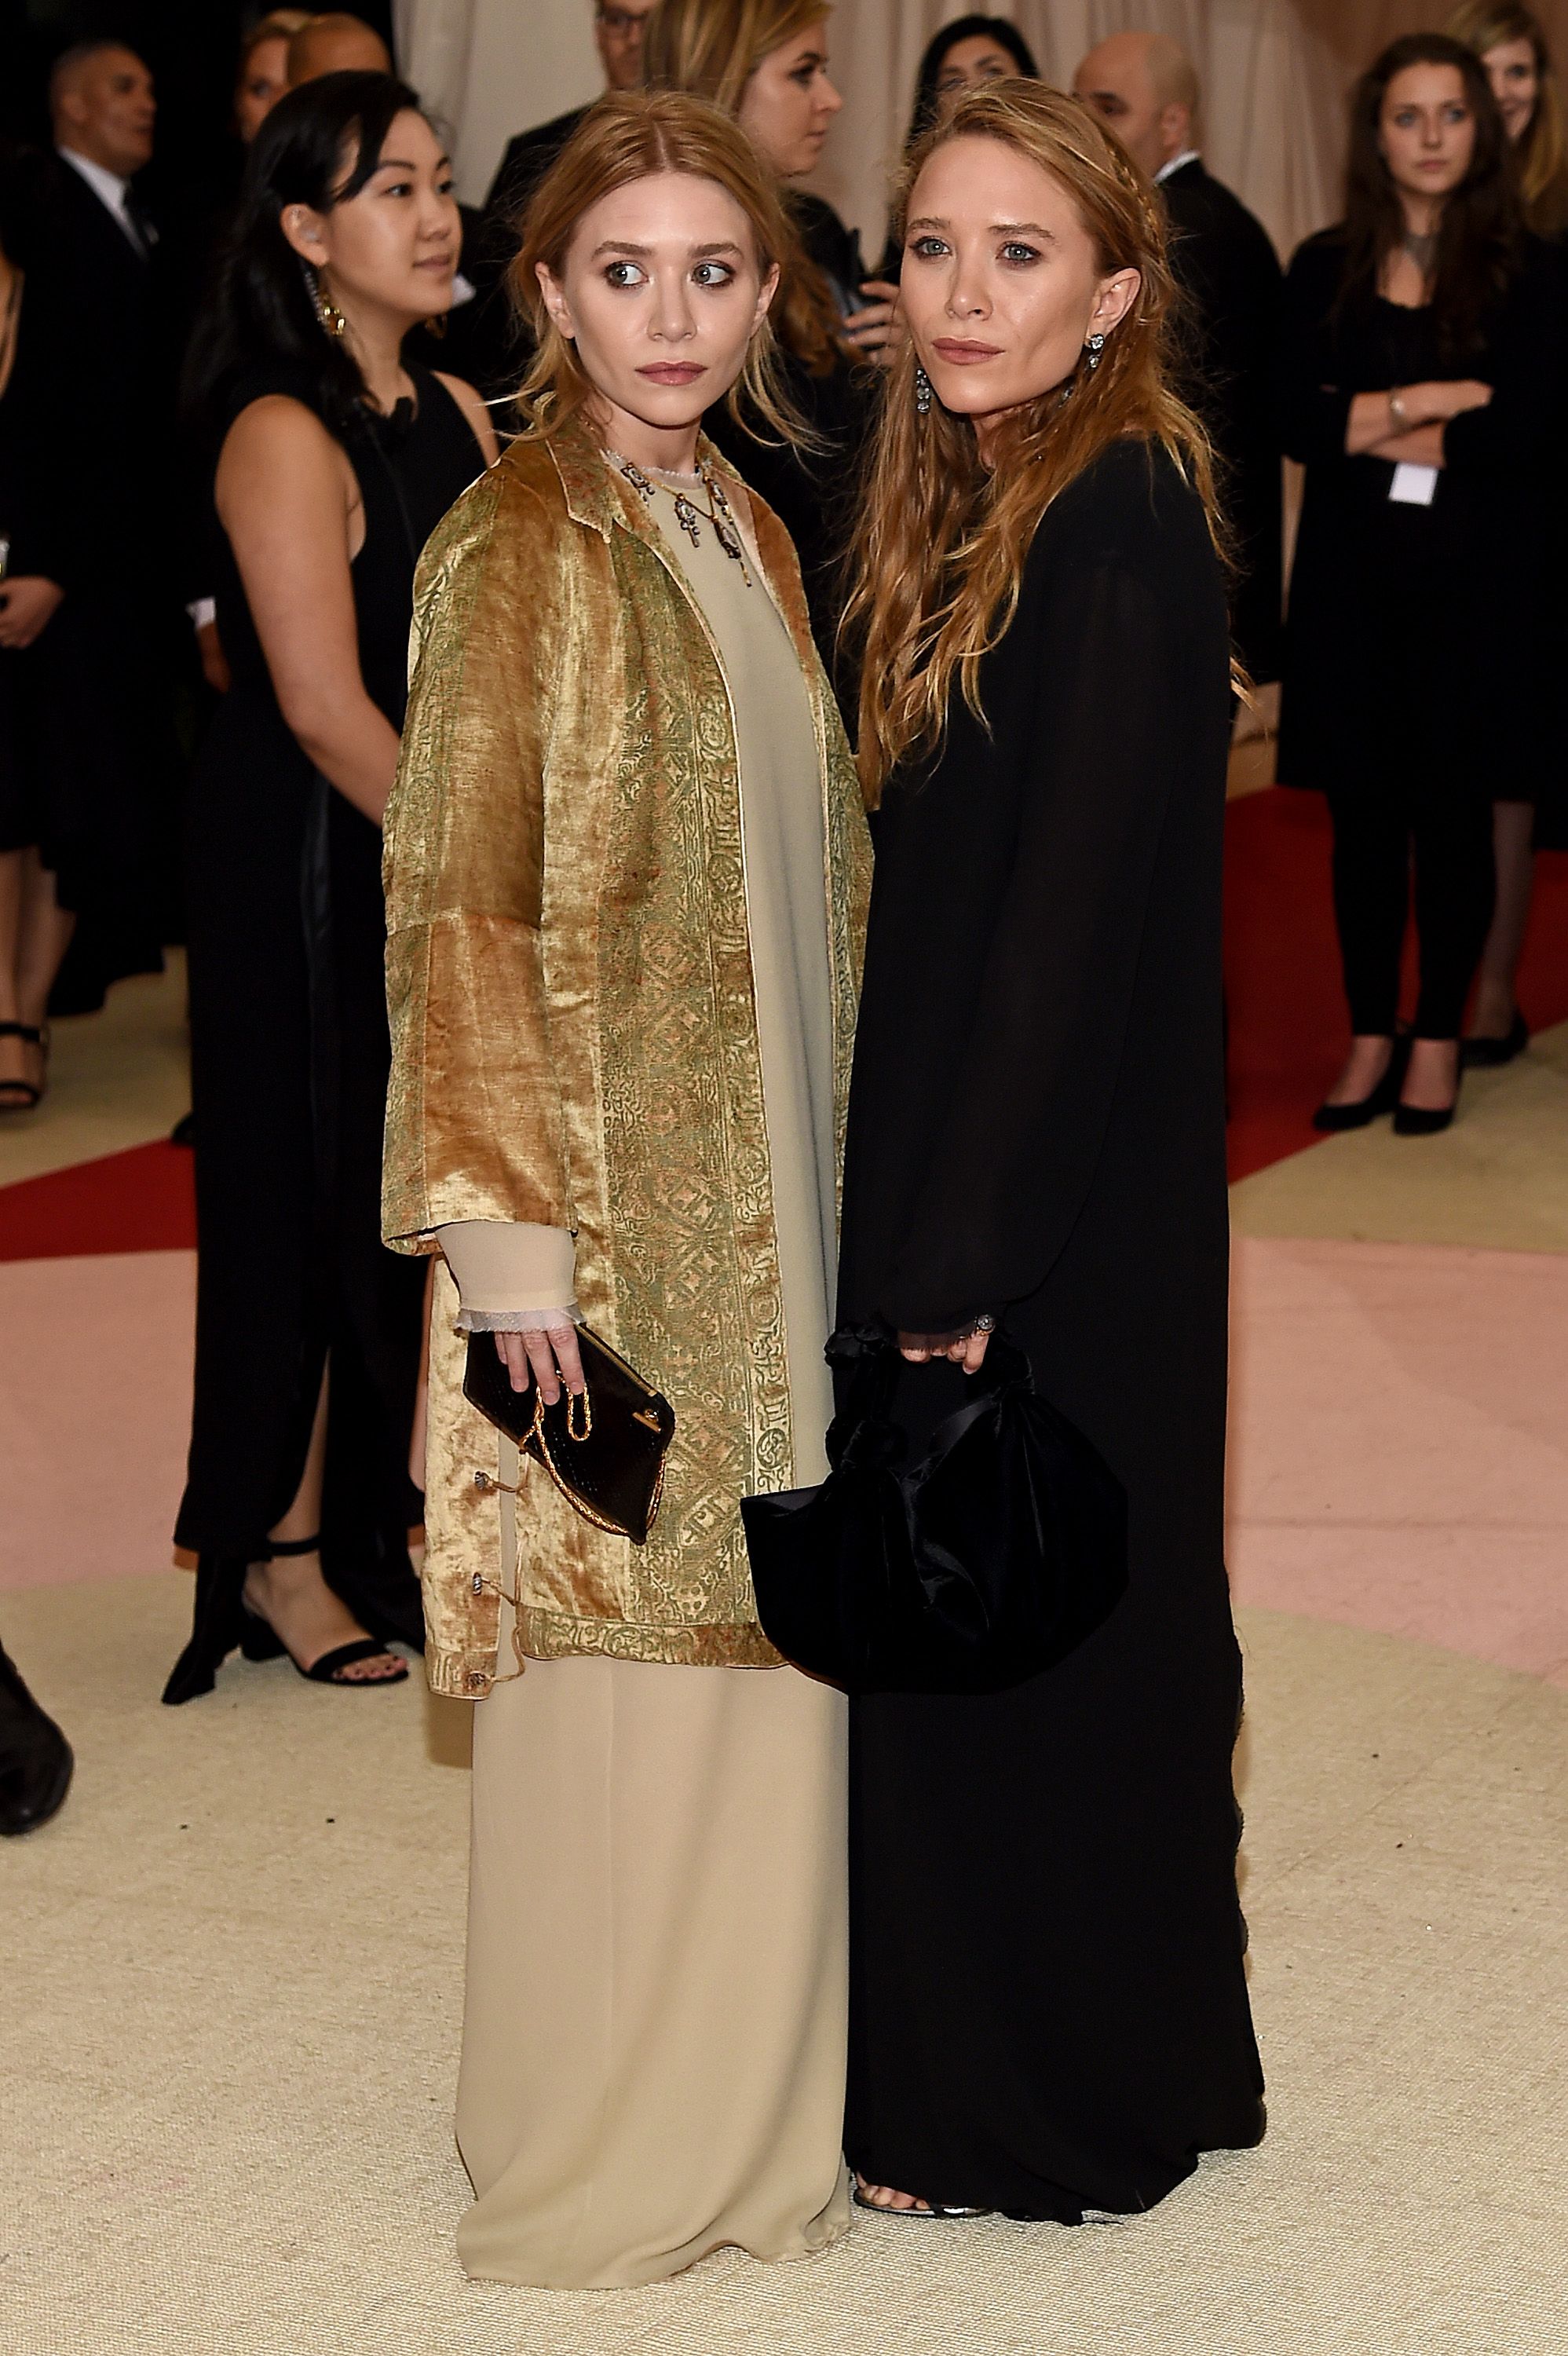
[[144, 1200], [1286, 1018]]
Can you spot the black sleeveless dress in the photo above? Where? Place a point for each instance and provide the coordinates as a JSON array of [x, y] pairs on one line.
[[290, 1057]]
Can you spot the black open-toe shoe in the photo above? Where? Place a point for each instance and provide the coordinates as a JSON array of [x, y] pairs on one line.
[[21, 1096], [260, 1641], [1332, 1118]]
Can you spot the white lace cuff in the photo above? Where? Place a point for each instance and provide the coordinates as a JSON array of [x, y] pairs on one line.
[[515, 1321]]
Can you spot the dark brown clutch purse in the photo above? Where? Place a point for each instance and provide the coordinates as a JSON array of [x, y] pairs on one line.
[[604, 1450]]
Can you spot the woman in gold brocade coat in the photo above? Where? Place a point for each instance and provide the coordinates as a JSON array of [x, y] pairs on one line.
[[626, 868]]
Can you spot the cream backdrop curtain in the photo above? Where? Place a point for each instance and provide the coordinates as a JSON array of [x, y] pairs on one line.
[[1274, 74]]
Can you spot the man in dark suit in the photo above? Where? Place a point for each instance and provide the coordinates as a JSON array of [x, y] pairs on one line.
[[1144, 87], [618, 26], [99, 306]]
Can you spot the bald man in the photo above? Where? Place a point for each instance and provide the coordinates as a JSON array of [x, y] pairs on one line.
[[336, 43], [97, 309], [1144, 87]]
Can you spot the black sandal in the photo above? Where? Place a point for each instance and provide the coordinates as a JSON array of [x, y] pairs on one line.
[[260, 1641], [21, 1096]]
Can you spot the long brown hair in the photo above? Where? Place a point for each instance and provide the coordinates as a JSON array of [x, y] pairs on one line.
[[1542, 150], [942, 540], [712, 48], [1482, 221], [627, 136]]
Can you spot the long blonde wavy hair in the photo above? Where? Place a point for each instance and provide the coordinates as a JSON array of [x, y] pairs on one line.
[[712, 48], [1542, 152], [627, 136], [942, 539]]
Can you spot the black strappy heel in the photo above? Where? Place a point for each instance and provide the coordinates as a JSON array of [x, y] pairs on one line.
[[21, 1096], [260, 1641]]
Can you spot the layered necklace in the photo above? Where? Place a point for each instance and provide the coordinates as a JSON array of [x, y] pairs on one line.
[[689, 515]]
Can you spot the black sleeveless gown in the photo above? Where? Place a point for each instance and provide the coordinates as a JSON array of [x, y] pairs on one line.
[[290, 1056]]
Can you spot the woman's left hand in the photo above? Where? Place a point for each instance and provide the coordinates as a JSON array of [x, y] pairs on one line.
[[877, 330], [965, 1350]]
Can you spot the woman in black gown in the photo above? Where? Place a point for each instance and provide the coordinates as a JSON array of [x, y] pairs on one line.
[[336, 463], [1049, 2012], [1421, 382]]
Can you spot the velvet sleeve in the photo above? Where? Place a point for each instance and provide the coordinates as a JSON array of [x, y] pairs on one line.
[[473, 1119], [1007, 1175]]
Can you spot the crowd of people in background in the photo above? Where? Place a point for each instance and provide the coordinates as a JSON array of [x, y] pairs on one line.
[[202, 626]]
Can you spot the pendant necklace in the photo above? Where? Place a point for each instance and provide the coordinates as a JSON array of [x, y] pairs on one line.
[[1422, 250], [689, 516]]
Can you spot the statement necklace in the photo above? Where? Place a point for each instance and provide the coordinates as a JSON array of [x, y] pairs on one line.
[[688, 514]]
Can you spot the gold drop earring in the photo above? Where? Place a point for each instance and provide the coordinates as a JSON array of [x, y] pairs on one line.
[[326, 310]]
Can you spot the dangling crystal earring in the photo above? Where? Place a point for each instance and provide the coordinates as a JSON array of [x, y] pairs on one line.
[[1094, 346], [921, 392]]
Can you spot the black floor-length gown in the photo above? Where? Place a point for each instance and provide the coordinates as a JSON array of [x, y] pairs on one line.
[[289, 1062], [1048, 2011]]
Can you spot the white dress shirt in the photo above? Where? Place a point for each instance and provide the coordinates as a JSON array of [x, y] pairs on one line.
[[111, 191], [1177, 164]]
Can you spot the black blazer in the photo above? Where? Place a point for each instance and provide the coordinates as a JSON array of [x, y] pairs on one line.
[[101, 315], [1443, 623], [491, 346], [528, 158], [1229, 273]]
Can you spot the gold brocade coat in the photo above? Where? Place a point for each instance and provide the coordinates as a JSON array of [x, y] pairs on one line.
[[574, 1039]]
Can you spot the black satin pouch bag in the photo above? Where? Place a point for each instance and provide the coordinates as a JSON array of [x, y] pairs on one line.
[[604, 1450], [987, 1560]]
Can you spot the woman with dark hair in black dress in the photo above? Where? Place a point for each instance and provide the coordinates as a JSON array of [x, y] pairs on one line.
[[335, 463], [1421, 383]]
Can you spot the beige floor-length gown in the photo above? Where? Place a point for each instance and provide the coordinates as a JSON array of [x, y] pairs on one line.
[[654, 2041]]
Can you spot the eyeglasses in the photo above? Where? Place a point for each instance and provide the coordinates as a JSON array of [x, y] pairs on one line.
[[622, 24]]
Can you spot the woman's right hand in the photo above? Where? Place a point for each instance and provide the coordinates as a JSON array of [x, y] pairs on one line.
[[1436, 404], [549, 1353]]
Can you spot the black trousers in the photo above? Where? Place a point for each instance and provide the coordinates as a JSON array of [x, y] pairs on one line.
[[1383, 837]]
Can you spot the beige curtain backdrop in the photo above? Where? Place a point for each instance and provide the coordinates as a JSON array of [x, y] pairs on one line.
[[1275, 75]]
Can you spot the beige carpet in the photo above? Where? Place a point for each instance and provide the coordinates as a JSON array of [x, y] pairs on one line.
[[117, 1079], [1498, 1178], [234, 1978]]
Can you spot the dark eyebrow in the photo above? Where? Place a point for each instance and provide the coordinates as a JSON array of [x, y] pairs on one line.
[[644, 252], [998, 229], [399, 164]]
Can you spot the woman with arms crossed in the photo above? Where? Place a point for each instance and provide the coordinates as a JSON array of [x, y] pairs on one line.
[[1421, 384], [335, 462], [1048, 2010], [626, 866]]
